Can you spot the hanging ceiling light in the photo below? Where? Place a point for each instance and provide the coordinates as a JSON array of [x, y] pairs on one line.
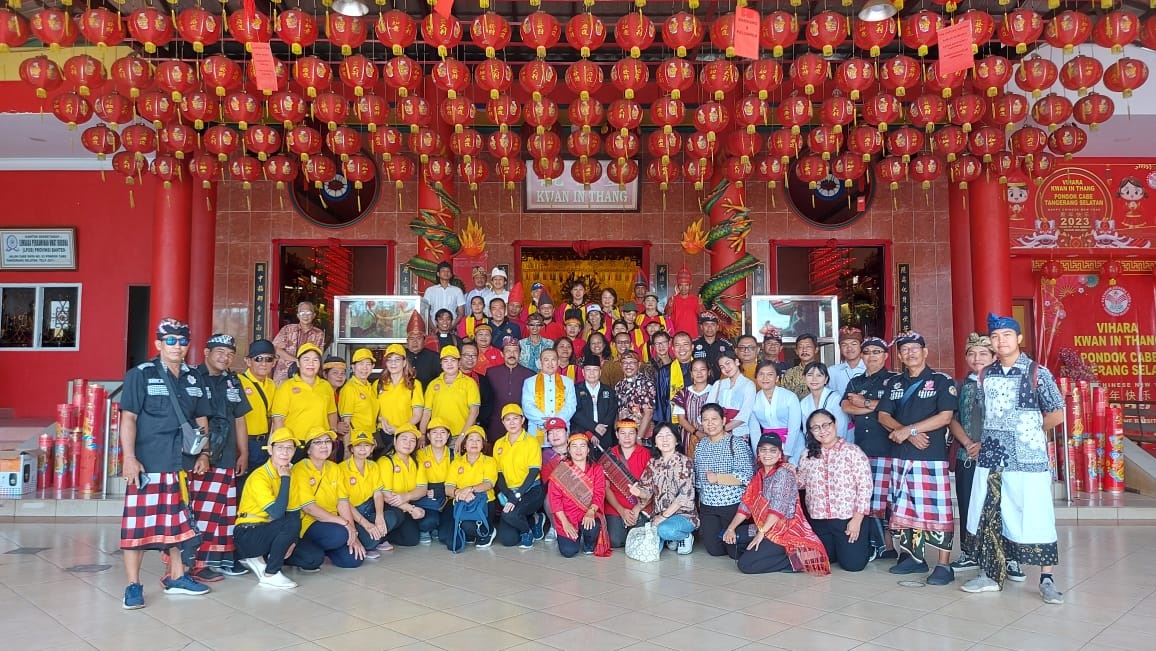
[[355, 8], [872, 12]]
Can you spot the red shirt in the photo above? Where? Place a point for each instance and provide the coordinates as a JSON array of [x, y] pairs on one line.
[[553, 331], [636, 464], [682, 314], [575, 512]]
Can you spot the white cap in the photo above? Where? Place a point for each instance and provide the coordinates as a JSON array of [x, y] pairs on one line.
[[498, 271]]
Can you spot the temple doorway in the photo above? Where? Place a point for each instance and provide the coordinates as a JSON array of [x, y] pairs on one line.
[[855, 272], [600, 265], [318, 270]]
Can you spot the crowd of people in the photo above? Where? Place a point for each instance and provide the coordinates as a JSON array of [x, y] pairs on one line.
[[590, 433]]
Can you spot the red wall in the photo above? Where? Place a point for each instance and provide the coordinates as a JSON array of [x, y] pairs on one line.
[[114, 244]]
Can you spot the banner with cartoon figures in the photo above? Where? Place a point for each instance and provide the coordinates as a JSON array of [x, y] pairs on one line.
[[1102, 323], [1106, 206]]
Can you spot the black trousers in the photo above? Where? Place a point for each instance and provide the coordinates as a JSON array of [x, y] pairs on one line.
[[273, 541], [963, 479], [512, 525], [713, 521], [406, 532], [851, 556], [587, 539], [769, 557]]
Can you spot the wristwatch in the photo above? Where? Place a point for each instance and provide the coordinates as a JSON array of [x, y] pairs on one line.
[[913, 433]]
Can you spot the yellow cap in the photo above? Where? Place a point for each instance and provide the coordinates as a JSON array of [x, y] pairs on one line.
[[512, 408], [435, 423], [306, 347], [280, 435], [451, 351], [406, 429], [395, 349], [361, 437], [362, 354], [317, 432], [476, 429]]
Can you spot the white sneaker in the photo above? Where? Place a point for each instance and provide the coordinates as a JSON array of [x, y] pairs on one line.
[[686, 545], [278, 580], [256, 565], [981, 583], [551, 535]]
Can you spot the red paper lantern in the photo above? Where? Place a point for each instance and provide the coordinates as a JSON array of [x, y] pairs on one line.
[[1067, 141], [53, 27], [795, 112], [157, 108], [854, 76], [493, 76], [664, 145], [634, 32], [199, 107], [630, 76], [100, 140], [1111, 270], [1036, 74], [315, 75], [925, 168], [205, 168], [982, 27], [548, 169], [1028, 141], [175, 78], [762, 76], [898, 74], [864, 141], [386, 142], [200, 28], [622, 171], [624, 115], [84, 73], [1116, 29], [586, 113], [243, 108], [402, 74], [441, 32], [713, 118], [991, 74], [426, 143], [262, 140], [811, 169], [784, 144], [1009, 109], [343, 141], [103, 28], [945, 85], [459, 112], [510, 171], [151, 28], [330, 108], [682, 32], [1052, 271], [697, 171], [1052, 110], [113, 108], [586, 171], [467, 144], [303, 141], [41, 73], [964, 170], [491, 31], [848, 168], [904, 142], [891, 170], [809, 71], [1068, 29], [920, 30], [296, 27], [674, 75], [139, 140], [586, 32], [825, 141], [745, 146], [1093, 110], [177, 139], [964, 110], [929, 109], [778, 31], [873, 36], [720, 77], [1125, 76], [450, 75], [473, 172], [399, 170], [541, 31], [750, 112], [985, 142], [584, 78], [949, 141], [319, 170], [1039, 167], [667, 112], [347, 32], [621, 146], [280, 76], [504, 111], [541, 114], [504, 145], [698, 145], [538, 78], [14, 30], [827, 31], [663, 172], [396, 30], [281, 169], [543, 146], [221, 74], [737, 170], [220, 141], [131, 75], [881, 110], [722, 34], [1147, 32], [359, 72], [248, 28], [1081, 73], [167, 169], [1019, 28]]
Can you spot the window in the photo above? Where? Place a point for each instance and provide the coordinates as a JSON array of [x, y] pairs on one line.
[[39, 317]]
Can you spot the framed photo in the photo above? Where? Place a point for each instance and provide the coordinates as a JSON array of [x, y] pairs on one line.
[[38, 248], [372, 319], [794, 315]]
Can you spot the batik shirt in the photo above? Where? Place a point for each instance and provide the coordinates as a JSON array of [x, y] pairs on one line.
[[1013, 416], [635, 393]]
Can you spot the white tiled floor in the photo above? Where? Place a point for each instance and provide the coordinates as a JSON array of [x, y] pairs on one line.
[[426, 598]]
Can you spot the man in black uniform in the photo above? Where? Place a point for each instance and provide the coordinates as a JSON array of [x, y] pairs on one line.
[[155, 513], [213, 492], [426, 363], [709, 345], [597, 409], [916, 409], [860, 402], [502, 326]]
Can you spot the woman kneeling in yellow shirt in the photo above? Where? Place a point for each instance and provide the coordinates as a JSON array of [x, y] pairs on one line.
[[363, 480], [266, 533], [405, 484], [434, 460], [319, 491], [472, 476]]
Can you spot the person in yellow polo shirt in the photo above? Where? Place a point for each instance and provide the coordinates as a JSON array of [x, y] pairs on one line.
[[259, 390], [472, 476], [435, 460], [453, 396], [366, 489], [305, 401], [520, 492], [318, 489], [400, 397], [266, 533], [357, 403], [404, 485]]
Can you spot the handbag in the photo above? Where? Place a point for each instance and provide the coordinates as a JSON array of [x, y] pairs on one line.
[[193, 440], [476, 510], [643, 543]]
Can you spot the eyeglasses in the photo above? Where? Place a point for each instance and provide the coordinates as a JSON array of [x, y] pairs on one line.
[[264, 359], [534, 325], [305, 313], [745, 348], [175, 341], [823, 427]]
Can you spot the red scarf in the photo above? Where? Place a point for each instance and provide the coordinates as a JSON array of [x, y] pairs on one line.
[[804, 549]]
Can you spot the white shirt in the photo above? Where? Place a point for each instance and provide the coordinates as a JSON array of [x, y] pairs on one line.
[[593, 391], [781, 411], [437, 298], [739, 395], [484, 293], [841, 375]]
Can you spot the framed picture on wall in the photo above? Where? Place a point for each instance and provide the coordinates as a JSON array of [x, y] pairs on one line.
[[793, 315], [377, 320]]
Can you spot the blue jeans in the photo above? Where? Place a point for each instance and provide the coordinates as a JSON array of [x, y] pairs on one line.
[[676, 527], [367, 510], [334, 540], [587, 539]]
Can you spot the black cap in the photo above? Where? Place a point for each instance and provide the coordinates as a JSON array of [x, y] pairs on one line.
[[261, 347], [221, 340], [770, 438]]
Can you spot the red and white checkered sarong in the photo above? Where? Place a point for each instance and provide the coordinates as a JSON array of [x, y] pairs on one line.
[[213, 498], [156, 516], [881, 468], [921, 496]]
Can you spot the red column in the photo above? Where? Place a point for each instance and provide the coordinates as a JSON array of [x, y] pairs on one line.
[[203, 241], [172, 213], [991, 249], [962, 320]]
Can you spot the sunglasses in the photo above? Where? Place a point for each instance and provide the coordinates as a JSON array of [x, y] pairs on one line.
[[264, 359], [174, 341]]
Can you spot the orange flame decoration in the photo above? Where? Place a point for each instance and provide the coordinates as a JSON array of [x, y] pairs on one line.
[[473, 239], [694, 238]]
